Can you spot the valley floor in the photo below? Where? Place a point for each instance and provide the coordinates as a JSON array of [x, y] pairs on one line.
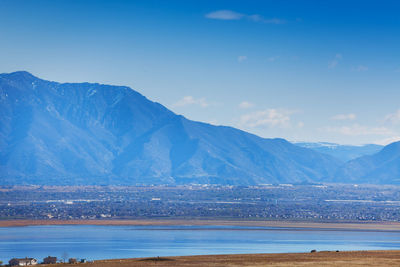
[[327, 258]]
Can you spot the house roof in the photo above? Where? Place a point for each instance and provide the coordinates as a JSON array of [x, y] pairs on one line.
[[24, 259]]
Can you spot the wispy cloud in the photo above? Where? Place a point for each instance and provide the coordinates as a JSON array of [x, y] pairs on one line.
[[360, 68], [190, 100], [224, 15], [258, 18], [242, 58], [232, 15], [272, 59], [358, 130], [344, 117], [335, 61], [246, 105], [393, 118], [268, 117]]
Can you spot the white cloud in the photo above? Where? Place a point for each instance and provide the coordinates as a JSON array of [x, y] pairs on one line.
[[335, 61], [272, 59], [393, 118], [258, 18], [190, 100], [360, 68], [275, 21], [300, 124], [246, 104], [242, 58], [358, 130], [268, 117], [343, 117], [224, 15], [232, 15]]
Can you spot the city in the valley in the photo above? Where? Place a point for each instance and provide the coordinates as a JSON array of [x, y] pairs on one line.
[[320, 203]]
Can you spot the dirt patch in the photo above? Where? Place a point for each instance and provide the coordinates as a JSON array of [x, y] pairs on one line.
[[157, 259]]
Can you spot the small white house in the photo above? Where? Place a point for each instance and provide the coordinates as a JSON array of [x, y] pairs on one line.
[[22, 262]]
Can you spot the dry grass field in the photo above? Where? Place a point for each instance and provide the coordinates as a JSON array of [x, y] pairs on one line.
[[352, 258]]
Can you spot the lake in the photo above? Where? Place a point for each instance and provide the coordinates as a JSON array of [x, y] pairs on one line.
[[106, 242]]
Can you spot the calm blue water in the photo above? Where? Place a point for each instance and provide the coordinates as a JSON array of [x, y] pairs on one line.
[[104, 242]]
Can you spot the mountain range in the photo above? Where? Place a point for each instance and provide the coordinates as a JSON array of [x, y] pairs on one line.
[[85, 133], [380, 168], [342, 152], [93, 134]]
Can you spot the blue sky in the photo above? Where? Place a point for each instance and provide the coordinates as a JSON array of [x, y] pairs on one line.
[[300, 70]]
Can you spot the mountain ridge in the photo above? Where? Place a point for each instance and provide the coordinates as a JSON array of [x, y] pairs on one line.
[[342, 152], [380, 168], [90, 133]]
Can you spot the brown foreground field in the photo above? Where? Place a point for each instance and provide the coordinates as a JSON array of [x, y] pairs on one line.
[[377, 226], [331, 258]]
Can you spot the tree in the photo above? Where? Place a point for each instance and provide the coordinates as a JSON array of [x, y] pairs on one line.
[[64, 256]]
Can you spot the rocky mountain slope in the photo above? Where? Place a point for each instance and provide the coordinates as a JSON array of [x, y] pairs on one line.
[[84, 133]]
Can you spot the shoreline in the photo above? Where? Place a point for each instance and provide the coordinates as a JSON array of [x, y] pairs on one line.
[[366, 226]]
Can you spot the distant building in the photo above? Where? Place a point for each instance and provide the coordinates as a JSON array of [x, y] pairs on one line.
[[72, 261], [22, 262], [50, 260]]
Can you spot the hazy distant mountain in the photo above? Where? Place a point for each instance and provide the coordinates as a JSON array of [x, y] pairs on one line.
[[380, 168], [52, 133], [342, 152]]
